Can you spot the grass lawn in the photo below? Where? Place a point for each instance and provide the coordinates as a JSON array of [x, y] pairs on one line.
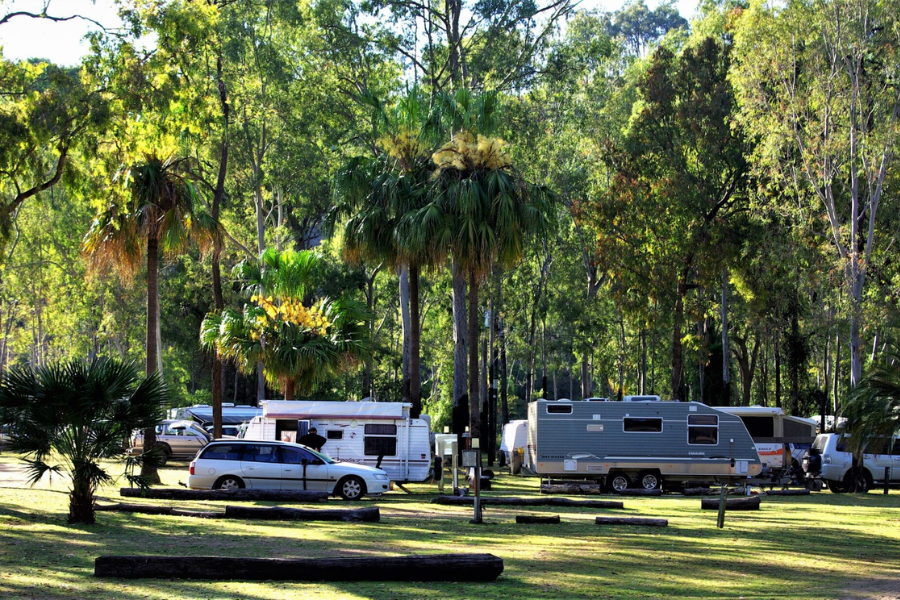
[[819, 546]]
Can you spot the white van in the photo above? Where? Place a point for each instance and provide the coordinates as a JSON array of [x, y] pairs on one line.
[[831, 457]]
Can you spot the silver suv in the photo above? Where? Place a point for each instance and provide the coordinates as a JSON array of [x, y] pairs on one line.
[[178, 439], [831, 458]]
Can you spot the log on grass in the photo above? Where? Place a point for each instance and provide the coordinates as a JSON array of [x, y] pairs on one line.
[[789, 492], [638, 492], [433, 567], [632, 521], [277, 513], [228, 495], [700, 491], [551, 520], [571, 488], [157, 510], [748, 503], [513, 501]]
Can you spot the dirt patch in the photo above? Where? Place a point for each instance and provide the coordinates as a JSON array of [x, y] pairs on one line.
[[873, 588]]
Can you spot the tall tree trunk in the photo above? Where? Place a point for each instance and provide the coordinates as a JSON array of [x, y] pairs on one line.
[[474, 404], [460, 350], [504, 373], [621, 366], [677, 318], [406, 328], [218, 373], [415, 333], [148, 470], [836, 388], [777, 369], [290, 388], [726, 356]]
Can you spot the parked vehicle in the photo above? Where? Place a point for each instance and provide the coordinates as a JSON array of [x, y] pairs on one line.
[[831, 459], [513, 442], [228, 431], [178, 439], [230, 464], [646, 444], [378, 434], [781, 440]]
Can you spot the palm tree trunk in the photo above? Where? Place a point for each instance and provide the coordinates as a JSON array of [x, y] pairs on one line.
[[81, 504], [290, 388], [406, 322], [415, 332], [474, 405], [460, 352], [148, 470]]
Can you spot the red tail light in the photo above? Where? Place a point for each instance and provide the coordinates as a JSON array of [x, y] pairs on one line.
[[192, 468]]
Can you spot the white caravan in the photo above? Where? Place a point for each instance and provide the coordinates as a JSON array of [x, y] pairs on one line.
[[379, 434], [781, 440]]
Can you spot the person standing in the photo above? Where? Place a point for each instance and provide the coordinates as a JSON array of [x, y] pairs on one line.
[[313, 440]]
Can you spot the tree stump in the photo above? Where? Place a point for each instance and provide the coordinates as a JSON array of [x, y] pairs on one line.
[[228, 495], [513, 501], [747, 503], [632, 521], [277, 513], [551, 520], [435, 567]]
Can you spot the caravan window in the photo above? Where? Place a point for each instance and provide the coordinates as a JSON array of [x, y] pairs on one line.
[[559, 409], [335, 434], [380, 439], [703, 429], [652, 425]]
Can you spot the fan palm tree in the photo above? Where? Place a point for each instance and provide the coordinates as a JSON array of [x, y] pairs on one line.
[[160, 212], [374, 200], [873, 407], [67, 418], [300, 343], [480, 212]]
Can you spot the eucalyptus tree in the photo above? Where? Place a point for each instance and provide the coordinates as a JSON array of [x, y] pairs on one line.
[[299, 341], [159, 212], [70, 417], [678, 181], [817, 86]]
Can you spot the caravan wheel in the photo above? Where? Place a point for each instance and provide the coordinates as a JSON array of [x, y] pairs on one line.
[[619, 482], [650, 480]]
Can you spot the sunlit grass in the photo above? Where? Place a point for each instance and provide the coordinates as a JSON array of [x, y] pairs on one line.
[[818, 546]]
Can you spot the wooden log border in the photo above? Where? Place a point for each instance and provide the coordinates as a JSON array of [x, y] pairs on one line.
[[638, 521], [227, 495], [436, 567], [535, 519], [750, 503], [538, 501], [368, 515]]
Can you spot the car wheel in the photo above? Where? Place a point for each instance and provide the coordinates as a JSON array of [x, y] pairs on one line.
[[836, 487], [229, 482], [619, 482], [858, 481], [165, 454], [650, 481], [351, 488]]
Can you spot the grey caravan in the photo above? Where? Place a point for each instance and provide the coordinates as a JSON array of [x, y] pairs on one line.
[[639, 444]]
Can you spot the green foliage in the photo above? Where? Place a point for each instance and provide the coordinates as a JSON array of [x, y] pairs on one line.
[[68, 417]]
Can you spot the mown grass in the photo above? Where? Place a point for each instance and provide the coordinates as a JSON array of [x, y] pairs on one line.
[[818, 546]]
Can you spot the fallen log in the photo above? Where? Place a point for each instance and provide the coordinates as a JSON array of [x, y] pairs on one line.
[[638, 492], [228, 495], [551, 520], [157, 510], [789, 492], [539, 501], [747, 503], [277, 513], [571, 488], [434, 567], [632, 521], [700, 491]]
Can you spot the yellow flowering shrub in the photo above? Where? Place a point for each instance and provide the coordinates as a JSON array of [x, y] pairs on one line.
[[290, 310]]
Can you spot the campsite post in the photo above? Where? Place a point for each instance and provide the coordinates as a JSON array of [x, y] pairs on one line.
[[472, 458]]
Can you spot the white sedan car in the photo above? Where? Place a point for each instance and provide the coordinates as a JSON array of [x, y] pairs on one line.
[[230, 464]]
